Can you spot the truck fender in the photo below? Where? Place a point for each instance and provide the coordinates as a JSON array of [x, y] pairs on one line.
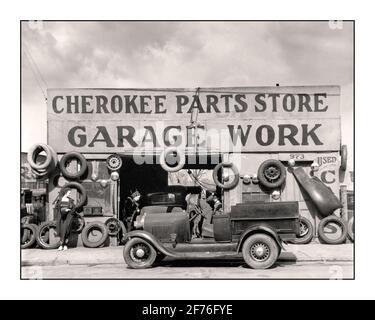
[[151, 239], [262, 229]]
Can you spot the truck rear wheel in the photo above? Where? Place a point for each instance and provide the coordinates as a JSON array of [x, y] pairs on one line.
[[139, 254], [260, 251]]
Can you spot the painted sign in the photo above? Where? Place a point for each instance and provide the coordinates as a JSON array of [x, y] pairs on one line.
[[258, 119]]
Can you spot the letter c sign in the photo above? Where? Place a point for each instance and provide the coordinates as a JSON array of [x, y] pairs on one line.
[[323, 177]]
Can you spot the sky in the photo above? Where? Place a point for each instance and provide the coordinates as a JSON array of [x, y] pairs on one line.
[[181, 55]]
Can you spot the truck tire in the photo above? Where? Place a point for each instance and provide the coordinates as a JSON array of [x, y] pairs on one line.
[[163, 161], [28, 235], [139, 254], [34, 152], [216, 177], [307, 232], [81, 189], [271, 173], [91, 227], [260, 251], [351, 229], [42, 238], [68, 157], [338, 222]]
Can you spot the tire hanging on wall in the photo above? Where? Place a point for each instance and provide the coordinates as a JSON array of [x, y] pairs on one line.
[[44, 170], [215, 175], [28, 235], [114, 162], [180, 155], [42, 238], [68, 157], [34, 151], [80, 188], [89, 228], [271, 173], [338, 222], [306, 232]]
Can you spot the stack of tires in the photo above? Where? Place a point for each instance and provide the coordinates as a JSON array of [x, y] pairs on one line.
[[47, 167], [29, 230]]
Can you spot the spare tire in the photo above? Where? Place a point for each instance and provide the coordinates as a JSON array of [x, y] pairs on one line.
[[68, 157], [81, 189], [306, 232], [91, 227], [271, 173], [43, 240], [340, 223], [34, 152], [216, 177], [28, 235]]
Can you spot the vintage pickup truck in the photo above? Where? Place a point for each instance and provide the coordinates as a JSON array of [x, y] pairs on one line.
[[164, 228]]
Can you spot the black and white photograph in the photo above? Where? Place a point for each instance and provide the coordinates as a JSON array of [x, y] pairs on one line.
[[187, 149]]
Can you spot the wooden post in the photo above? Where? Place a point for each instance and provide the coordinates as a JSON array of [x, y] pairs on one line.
[[344, 202]]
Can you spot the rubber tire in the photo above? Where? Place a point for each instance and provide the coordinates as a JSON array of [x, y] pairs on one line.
[[34, 151], [41, 174], [216, 178], [85, 233], [351, 229], [69, 156], [344, 157], [81, 225], [340, 222], [271, 243], [307, 237], [41, 243], [113, 233], [133, 264], [81, 189], [164, 164], [263, 180], [33, 229], [119, 162]]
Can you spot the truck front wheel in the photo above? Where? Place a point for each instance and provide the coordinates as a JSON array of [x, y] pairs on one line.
[[260, 251], [139, 254]]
